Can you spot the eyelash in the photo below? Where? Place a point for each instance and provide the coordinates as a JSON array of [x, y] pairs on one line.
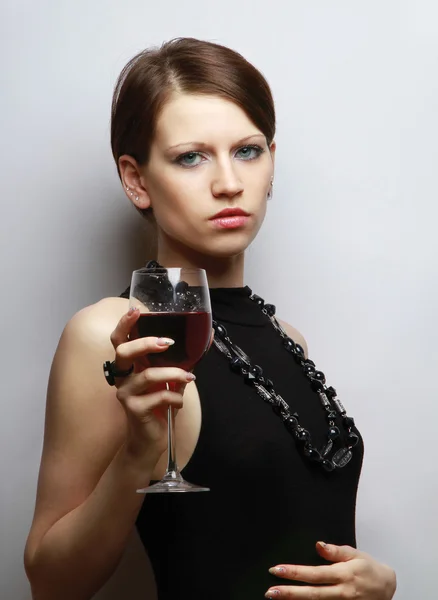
[[259, 151]]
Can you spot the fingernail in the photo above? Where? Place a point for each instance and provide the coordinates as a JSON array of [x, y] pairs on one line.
[[272, 593], [132, 310], [191, 377], [165, 342], [276, 570]]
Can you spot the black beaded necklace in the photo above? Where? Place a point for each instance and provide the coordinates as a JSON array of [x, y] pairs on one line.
[[333, 455], [240, 363]]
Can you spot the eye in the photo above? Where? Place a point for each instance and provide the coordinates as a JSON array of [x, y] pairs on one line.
[[249, 152], [189, 159]]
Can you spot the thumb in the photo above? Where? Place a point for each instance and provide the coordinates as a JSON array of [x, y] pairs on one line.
[[337, 553], [211, 339]]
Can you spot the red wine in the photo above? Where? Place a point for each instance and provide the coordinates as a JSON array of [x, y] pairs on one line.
[[190, 330]]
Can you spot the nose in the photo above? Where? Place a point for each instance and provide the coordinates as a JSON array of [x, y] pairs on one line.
[[226, 182]]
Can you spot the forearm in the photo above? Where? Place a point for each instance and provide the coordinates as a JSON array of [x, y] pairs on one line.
[[81, 550]]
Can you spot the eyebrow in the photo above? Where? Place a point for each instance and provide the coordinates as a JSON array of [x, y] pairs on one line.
[[204, 145]]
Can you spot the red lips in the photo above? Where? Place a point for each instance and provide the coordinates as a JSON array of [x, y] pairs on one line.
[[230, 212]]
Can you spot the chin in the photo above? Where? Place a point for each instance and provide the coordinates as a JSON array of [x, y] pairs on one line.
[[225, 246], [217, 243]]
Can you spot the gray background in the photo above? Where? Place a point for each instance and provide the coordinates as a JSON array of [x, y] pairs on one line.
[[351, 229]]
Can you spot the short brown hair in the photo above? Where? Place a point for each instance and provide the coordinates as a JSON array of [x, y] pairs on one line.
[[185, 65]]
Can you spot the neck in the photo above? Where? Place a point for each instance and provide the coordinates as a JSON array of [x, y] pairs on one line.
[[221, 271]]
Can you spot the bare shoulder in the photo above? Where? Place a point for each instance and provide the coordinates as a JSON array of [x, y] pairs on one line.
[[295, 335], [95, 321]]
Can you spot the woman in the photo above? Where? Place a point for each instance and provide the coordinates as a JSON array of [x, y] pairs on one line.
[[192, 134]]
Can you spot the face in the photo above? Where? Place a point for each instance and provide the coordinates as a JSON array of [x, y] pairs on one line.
[[207, 157]]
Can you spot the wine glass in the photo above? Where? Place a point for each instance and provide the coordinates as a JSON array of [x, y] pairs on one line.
[[173, 303]]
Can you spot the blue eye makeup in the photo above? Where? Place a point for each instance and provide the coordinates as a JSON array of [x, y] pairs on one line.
[[249, 152], [189, 159]]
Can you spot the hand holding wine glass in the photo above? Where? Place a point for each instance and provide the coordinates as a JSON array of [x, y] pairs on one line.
[[143, 394], [169, 328]]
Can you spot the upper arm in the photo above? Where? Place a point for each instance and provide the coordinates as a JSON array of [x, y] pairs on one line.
[[85, 424], [295, 335]]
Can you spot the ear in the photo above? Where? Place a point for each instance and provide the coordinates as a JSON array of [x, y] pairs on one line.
[[272, 150], [133, 182]]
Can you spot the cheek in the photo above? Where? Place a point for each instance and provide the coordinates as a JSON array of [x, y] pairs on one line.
[[178, 186], [261, 213], [177, 208]]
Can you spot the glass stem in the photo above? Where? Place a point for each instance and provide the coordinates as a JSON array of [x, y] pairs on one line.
[[172, 468]]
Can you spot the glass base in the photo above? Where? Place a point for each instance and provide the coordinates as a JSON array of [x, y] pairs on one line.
[[172, 483]]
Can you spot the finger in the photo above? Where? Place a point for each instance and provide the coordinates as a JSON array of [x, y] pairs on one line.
[[127, 352], [319, 574], [281, 592], [211, 339], [124, 326], [338, 553], [156, 377], [143, 407]]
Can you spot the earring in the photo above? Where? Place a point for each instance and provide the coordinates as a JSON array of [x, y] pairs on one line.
[[271, 191]]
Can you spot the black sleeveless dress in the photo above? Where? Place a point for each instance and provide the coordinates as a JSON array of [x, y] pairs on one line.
[[267, 505]]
